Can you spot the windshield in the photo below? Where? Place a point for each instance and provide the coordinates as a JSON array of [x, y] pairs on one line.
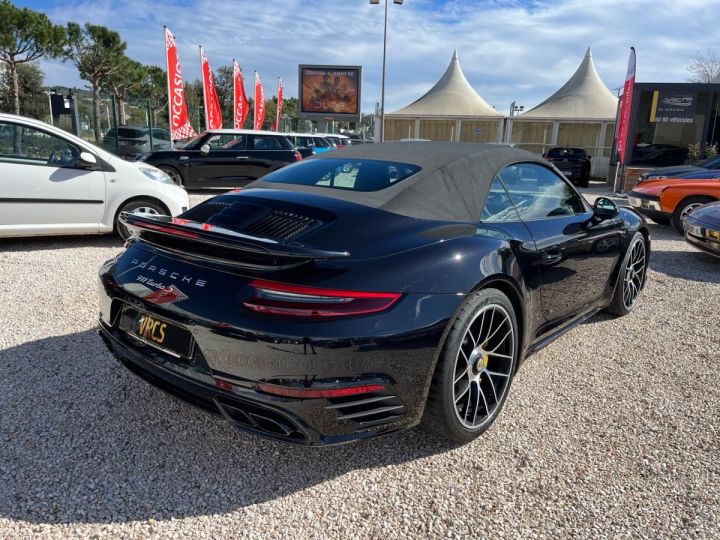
[[347, 174], [566, 152]]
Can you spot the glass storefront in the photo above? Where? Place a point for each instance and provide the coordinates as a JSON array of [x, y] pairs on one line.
[[668, 121]]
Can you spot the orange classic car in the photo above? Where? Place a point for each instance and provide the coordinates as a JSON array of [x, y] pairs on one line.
[[668, 200]]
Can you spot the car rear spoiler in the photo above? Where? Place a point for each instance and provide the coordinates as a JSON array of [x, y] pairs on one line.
[[210, 242]]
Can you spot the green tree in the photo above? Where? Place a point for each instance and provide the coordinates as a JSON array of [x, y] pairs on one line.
[[127, 80], [154, 89], [98, 54], [25, 36], [224, 87], [194, 100], [30, 91]]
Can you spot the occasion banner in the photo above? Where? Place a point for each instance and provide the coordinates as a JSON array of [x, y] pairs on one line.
[[330, 91], [673, 107], [180, 127]]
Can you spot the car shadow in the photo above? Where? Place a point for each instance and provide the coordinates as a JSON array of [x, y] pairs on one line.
[[45, 243], [84, 440]]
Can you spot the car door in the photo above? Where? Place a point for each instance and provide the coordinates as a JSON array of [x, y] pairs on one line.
[[574, 253], [43, 186], [223, 165], [264, 151]]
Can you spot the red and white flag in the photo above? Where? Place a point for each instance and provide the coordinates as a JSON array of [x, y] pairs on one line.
[[259, 103], [213, 112], [626, 108], [241, 105], [180, 127], [278, 114]]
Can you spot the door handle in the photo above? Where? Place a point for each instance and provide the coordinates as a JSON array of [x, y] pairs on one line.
[[552, 256], [242, 157], [183, 158]]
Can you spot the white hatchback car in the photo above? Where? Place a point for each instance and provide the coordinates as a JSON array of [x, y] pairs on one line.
[[52, 182]]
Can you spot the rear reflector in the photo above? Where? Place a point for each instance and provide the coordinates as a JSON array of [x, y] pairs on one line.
[[298, 301], [299, 392]]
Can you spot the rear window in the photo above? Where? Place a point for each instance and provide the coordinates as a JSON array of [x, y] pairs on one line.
[[127, 133], [347, 174], [566, 152]]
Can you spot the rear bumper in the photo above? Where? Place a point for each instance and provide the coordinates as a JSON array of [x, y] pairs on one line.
[[229, 363]]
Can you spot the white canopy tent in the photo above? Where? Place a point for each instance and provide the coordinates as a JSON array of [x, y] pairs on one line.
[[450, 111], [580, 114]]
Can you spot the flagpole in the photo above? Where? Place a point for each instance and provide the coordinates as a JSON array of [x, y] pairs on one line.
[[167, 80], [234, 95], [202, 71], [277, 109], [255, 111]]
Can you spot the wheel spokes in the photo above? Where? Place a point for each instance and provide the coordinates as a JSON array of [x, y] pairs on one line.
[[489, 363]]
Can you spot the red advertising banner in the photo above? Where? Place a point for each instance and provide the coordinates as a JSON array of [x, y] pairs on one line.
[[278, 114], [241, 105], [626, 108], [259, 103], [213, 112], [180, 127]]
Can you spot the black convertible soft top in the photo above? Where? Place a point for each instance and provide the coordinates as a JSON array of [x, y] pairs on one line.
[[452, 184]]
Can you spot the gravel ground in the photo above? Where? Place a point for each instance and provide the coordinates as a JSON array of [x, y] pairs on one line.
[[611, 431]]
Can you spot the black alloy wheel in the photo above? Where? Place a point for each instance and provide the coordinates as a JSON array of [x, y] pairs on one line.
[[631, 278], [475, 368]]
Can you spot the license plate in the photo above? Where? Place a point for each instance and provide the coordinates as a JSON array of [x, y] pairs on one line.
[[156, 332]]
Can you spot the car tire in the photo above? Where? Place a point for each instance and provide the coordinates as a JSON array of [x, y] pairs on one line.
[[472, 378], [585, 179], [174, 174], [138, 206], [684, 207], [631, 278]]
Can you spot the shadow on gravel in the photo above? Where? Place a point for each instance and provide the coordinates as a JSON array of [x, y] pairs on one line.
[[690, 264], [84, 440], [59, 242]]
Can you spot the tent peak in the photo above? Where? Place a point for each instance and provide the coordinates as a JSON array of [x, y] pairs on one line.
[[584, 95], [452, 95]]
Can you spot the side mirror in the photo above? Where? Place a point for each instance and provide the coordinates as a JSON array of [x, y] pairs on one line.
[[205, 149], [87, 161], [589, 156], [604, 208]]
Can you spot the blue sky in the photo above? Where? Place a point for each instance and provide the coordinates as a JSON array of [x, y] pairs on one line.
[[510, 50]]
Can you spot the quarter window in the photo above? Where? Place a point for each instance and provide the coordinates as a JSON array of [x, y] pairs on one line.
[[538, 193], [498, 206], [23, 144]]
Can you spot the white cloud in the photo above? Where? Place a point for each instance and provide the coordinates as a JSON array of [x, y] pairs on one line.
[[509, 50]]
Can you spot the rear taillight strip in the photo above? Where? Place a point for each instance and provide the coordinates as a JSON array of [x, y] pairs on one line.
[[300, 301]]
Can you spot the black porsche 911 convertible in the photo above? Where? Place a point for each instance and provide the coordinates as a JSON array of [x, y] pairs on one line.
[[365, 291]]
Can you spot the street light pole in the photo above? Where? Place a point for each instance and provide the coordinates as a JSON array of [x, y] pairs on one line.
[[382, 91]]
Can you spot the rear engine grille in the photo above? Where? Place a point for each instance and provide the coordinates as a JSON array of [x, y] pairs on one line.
[[280, 225], [252, 219], [260, 419], [368, 409]]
